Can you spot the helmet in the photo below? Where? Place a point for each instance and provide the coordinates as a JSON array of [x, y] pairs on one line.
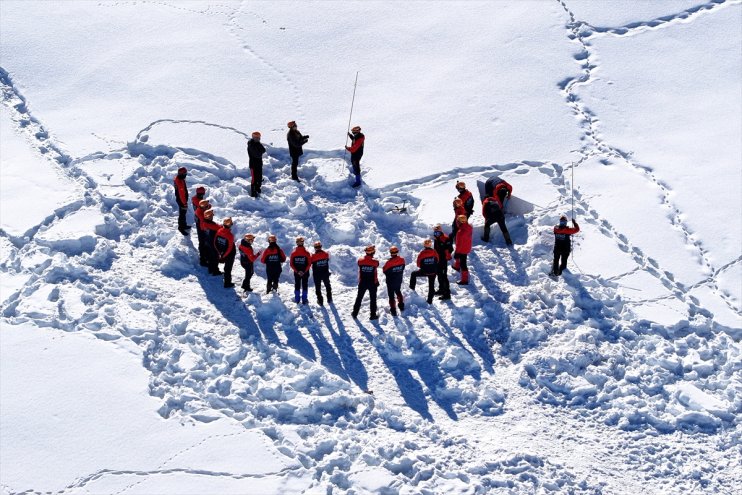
[[370, 249], [356, 129], [460, 185], [563, 220], [291, 124], [272, 238], [204, 204], [249, 237], [256, 135], [427, 243], [182, 171], [200, 190], [317, 245], [393, 250], [209, 214], [457, 202], [461, 218], [300, 241], [227, 222]]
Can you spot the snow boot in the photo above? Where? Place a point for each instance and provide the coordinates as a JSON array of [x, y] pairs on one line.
[[357, 183], [320, 301], [374, 317], [464, 278], [228, 285], [354, 314], [508, 240], [401, 305], [268, 288], [393, 311]]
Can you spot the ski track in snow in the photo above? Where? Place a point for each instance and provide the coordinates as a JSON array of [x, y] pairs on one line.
[[272, 365]]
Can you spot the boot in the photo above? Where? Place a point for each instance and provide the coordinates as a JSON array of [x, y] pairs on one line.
[[357, 183], [320, 301], [413, 282], [296, 296], [393, 311], [374, 317], [456, 264], [508, 240], [304, 299], [401, 305], [268, 288], [464, 278], [228, 285]]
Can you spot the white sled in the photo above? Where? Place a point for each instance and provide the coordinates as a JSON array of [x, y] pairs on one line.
[[513, 206]]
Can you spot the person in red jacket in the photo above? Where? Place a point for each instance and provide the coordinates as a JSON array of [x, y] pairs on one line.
[[300, 261], [273, 257], [458, 210], [394, 272], [367, 281], [357, 140], [466, 198], [493, 212], [562, 245], [224, 245], [463, 248], [247, 259], [427, 264], [195, 200], [203, 248], [181, 197], [210, 228], [321, 272], [443, 246]]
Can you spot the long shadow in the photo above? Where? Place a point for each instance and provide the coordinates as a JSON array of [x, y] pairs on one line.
[[231, 307], [593, 308], [453, 338], [351, 365]]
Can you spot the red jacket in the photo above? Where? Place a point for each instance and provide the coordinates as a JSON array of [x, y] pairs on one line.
[[275, 254], [427, 260], [468, 200], [562, 236], [181, 191], [394, 269], [459, 211], [357, 143], [320, 263], [502, 185], [300, 259], [367, 270], [248, 252], [463, 238], [486, 206], [224, 242]]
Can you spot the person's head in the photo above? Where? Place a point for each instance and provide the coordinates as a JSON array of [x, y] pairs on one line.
[[227, 222], [249, 238], [460, 186], [563, 220], [200, 191], [300, 241], [461, 219], [256, 136], [317, 245], [291, 124], [458, 203], [394, 250], [428, 243], [438, 230], [209, 214], [204, 204], [356, 130], [370, 250], [182, 172], [272, 239]]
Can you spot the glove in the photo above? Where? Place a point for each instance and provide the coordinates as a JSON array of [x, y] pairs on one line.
[[347, 148]]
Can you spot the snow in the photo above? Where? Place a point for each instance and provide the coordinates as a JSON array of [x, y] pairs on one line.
[[126, 369]]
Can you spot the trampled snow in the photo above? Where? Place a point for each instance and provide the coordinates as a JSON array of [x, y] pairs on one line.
[[126, 369]]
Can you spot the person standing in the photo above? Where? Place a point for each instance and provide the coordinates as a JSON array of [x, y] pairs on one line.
[[458, 210], [247, 260], [203, 248], [463, 248], [442, 246], [181, 197], [296, 141], [357, 140], [255, 151], [273, 257], [300, 263], [394, 272], [195, 200], [210, 228], [466, 198], [224, 245], [321, 272], [562, 244], [492, 211], [427, 264], [367, 281]]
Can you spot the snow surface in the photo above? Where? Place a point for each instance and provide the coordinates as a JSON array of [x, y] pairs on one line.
[[126, 369]]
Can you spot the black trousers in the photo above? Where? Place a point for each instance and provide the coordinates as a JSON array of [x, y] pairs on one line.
[[462, 261], [394, 289], [228, 264], [560, 260], [256, 183], [500, 220], [273, 277], [318, 281], [301, 282], [249, 271], [359, 298], [203, 250], [356, 166], [443, 284], [182, 224], [295, 167], [431, 282]]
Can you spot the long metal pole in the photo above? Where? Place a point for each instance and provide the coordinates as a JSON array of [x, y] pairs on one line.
[[352, 102], [572, 183]]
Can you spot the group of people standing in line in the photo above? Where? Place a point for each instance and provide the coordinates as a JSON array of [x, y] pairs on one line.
[[216, 243]]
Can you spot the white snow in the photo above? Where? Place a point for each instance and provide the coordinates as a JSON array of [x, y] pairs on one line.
[[126, 369]]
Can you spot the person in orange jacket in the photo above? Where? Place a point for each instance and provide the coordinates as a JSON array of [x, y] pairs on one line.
[[203, 248], [443, 246], [394, 272], [247, 260], [210, 228], [493, 212], [562, 245], [357, 139], [273, 257], [463, 248], [367, 282], [427, 264], [181, 197], [224, 245], [458, 210], [300, 261], [321, 272]]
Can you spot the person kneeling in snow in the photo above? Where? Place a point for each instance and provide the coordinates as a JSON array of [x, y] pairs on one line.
[[224, 245], [273, 257], [562, 244], [247, 258], [300, 262], [492, 211]]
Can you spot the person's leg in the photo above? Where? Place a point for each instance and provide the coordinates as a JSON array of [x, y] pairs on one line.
[[372, 293], [318, 289], [431, 288], [359, 298], [295, 167]]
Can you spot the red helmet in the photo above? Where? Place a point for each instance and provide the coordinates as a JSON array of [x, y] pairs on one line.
[[291, 124], [256, 135]]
